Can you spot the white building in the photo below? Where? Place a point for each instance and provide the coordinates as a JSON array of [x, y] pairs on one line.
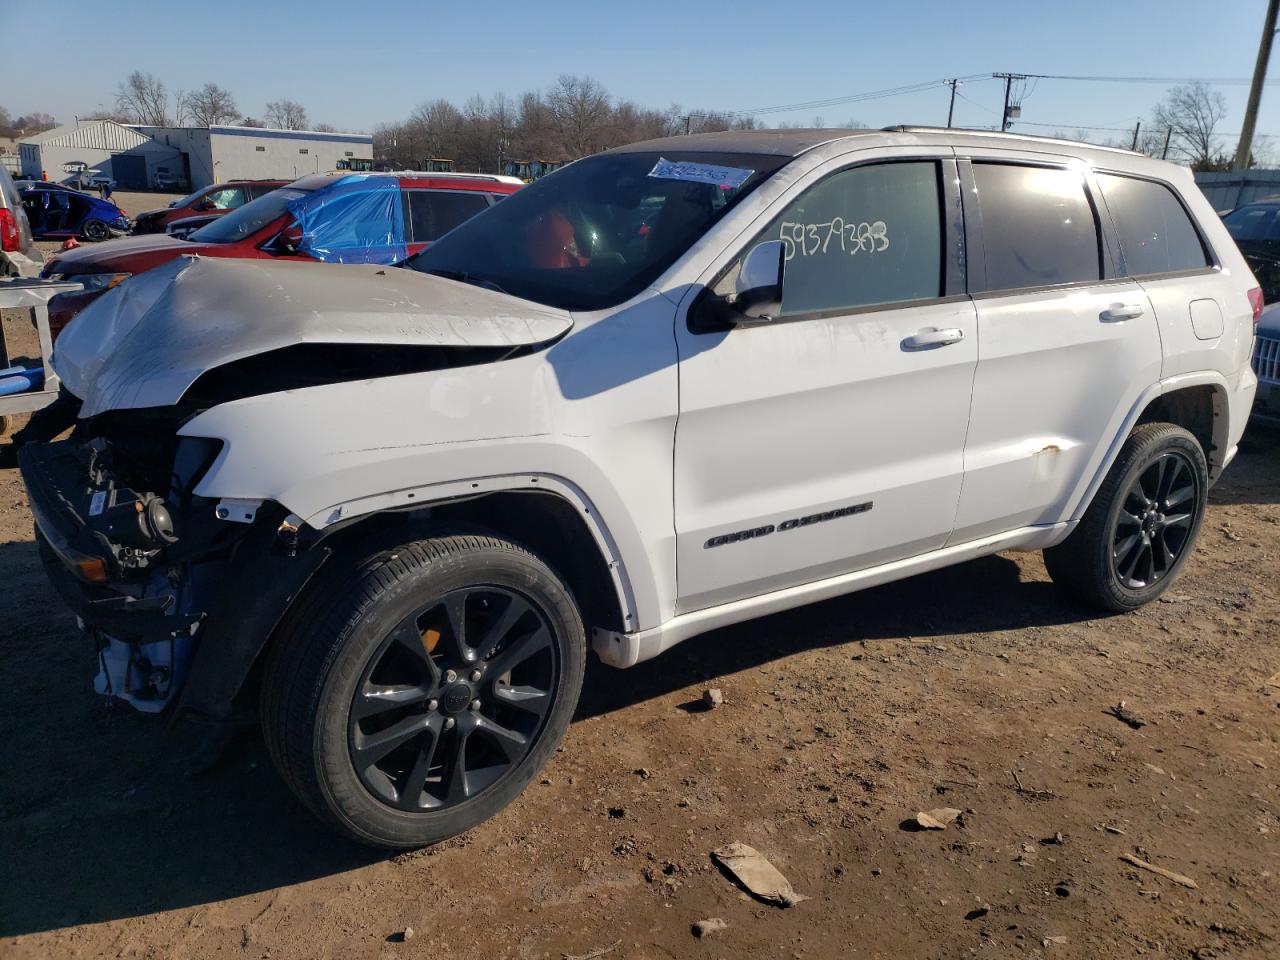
[[131, 158], [217, 154]]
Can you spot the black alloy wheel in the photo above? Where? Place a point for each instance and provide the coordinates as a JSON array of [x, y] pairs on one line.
[[1154, 523], [453, 699], [95, 230]]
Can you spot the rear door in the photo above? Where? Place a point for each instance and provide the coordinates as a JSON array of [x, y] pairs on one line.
[[1066, 344]]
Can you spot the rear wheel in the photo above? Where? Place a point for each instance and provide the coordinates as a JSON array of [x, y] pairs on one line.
[[1142, 524], [419, 694], [95, 230]]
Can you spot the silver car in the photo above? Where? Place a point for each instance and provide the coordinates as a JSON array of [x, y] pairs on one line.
[[19, 256], [1266, 364]]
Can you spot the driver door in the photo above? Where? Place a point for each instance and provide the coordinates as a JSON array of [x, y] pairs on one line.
[[831, 438]]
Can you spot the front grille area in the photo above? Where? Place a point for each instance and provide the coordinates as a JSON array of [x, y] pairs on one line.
[[1266, 359]]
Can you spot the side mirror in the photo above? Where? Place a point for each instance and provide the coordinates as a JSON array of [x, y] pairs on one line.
[[757, 295]]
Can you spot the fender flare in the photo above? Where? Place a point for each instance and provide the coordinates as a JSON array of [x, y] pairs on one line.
[[437, 494], [1181, 381]]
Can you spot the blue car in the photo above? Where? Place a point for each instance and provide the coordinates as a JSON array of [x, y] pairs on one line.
[[56, 213]]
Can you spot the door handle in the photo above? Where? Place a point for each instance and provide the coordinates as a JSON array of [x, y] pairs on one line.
[[930, 337], [1120, 311]]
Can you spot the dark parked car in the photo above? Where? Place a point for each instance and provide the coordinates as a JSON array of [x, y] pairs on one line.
[[1255, 227], [212, 201], [56, 213]]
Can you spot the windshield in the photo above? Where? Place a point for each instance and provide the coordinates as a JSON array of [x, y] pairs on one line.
[[1260, 222], [598, 231], [247, 220]]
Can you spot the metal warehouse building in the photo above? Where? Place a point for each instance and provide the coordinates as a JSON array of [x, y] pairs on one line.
[[131, 158], [217, 154]]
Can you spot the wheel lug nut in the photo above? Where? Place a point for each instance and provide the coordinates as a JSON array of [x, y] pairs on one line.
[[448, 724], [475, 704], [475, 675], [450, 676], [433, 705]]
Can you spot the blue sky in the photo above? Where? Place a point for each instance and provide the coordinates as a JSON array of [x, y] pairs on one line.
[[354, 64]]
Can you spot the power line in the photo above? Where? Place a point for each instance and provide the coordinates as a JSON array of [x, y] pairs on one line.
[[1211, 81]]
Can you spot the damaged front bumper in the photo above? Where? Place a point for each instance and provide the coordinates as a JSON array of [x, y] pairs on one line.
[[175, 599]]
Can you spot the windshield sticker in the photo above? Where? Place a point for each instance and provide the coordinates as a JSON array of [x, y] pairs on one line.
[[815, 239], [726, 178]]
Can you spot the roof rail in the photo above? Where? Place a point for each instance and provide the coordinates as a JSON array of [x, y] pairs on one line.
[[916, 128]]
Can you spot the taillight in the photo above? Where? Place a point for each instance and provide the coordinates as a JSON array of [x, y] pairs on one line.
[[9, 239], [1255, 301]]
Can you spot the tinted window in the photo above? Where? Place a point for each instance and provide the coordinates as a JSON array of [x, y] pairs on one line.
[[1156, 235], [1038, 227], [601, 229], [433, 213], [1254, 223], [864, 236]]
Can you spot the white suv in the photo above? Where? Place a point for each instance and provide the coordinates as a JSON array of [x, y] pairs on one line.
[[667, 388]]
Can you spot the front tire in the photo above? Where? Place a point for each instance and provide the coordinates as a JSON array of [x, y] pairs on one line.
[[414, 696], [1142, 524]]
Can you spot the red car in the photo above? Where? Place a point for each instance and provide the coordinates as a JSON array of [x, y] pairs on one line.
[[352, 218], [211, 201]]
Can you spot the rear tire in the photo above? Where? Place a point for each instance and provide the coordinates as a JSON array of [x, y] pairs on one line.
[[95, 231], [1142, 524], [416, 693]]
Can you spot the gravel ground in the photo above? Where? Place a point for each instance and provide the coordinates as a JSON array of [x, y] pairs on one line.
[[978, 688]]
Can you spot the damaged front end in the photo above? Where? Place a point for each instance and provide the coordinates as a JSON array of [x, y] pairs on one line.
[[146, 565], [181, 592]]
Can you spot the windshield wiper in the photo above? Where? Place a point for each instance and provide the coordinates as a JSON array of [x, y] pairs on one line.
[[464, 277]]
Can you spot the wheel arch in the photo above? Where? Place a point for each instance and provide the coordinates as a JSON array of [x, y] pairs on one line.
[[1198, 402]]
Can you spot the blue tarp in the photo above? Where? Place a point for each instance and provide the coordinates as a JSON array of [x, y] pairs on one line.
[[358, 219]]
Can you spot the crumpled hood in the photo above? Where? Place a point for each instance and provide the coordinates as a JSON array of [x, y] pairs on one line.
[[145, 342]]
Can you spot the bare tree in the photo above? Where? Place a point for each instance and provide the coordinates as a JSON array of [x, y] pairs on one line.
[[143, 99], [211, 105], [286, 115], [1193, 113], [325, 128], [250, 122], [580, 108]]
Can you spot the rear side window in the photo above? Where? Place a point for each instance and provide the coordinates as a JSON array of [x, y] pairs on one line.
[[1038, 227], [1156, 235], [862, 237], [433, 213]]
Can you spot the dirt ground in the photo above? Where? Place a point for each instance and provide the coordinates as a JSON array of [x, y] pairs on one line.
[[978, 688]]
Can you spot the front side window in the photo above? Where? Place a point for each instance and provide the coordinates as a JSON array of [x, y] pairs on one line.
[[1156, 235], [864, 236], [433, 213], [1038, 226], [600, 230]]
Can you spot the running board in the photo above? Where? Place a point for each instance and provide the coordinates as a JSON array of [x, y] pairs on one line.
[[628, 649]]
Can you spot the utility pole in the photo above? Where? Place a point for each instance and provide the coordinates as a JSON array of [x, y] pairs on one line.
[[1136, 127], [1255, 90], [1008, 79], [689, 120], [1168, 135], [951, 110]]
